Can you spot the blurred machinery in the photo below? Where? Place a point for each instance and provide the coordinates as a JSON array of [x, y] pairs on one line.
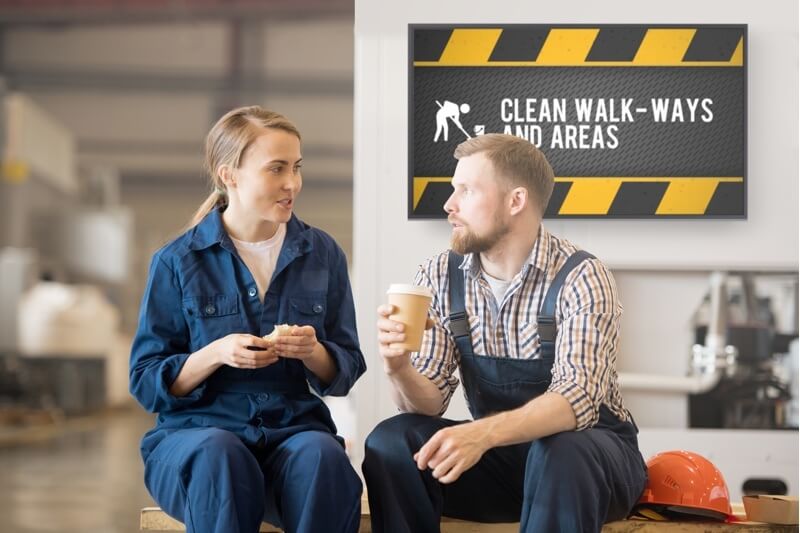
[[64, 267], [60, 345], [758, 389], [741, 384]]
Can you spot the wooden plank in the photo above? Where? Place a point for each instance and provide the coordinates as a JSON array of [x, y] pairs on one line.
[[154, 519], [645, 526]]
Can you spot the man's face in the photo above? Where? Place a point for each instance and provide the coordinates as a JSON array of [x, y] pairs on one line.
[[476, 209]]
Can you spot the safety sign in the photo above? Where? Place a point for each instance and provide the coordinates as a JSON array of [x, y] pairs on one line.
[[637, 121]]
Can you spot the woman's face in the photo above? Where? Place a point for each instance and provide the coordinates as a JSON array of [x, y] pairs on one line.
[[268, 180]]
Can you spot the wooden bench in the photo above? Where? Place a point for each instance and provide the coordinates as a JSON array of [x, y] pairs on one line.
[[154, 519]]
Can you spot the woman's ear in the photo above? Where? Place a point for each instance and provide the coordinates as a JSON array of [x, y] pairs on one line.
[[225, 173]]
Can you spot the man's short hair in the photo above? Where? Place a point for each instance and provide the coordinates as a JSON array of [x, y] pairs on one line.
[[516, 161]]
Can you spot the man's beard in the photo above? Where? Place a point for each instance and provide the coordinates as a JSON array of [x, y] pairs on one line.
[[469, 242]]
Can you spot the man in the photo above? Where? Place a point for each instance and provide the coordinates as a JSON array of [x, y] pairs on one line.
[[532, 325]]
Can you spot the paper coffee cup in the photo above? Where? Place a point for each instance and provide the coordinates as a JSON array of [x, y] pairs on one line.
[[411, 303]]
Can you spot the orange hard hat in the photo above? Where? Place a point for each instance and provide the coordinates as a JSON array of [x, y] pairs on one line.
[[686, 483]]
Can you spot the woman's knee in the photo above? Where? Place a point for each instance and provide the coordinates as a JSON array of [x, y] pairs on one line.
[[212, 454], [200, 465], [319, 455], [220, 446], [310, 445]]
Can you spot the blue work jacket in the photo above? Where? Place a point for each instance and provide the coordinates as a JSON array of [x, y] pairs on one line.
[[199, 290]]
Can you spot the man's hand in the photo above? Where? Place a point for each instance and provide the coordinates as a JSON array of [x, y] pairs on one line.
[[454, 450], [411, 391], [389, 332], [299, 343]]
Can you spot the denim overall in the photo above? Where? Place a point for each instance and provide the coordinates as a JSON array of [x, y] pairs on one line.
[[494, 384], [572, 481]]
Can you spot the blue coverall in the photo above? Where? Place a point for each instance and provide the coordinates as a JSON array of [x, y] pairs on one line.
[[246, 445]]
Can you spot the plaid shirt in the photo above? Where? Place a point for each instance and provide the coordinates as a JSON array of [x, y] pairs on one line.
[[588, 316]]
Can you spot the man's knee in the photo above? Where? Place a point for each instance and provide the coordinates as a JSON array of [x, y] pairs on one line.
[[560, 452], [400, 435]]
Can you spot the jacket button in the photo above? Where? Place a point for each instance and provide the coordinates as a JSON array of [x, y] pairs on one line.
[[210, 309], [252, 292], [317, 308]]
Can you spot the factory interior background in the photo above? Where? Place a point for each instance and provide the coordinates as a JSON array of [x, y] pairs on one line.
[[104, 107]]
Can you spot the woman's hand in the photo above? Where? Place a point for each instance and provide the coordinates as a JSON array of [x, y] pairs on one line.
[[300, 343], [241, 350]]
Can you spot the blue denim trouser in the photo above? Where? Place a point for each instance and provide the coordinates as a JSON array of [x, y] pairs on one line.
[[208, 479], [568, 482]]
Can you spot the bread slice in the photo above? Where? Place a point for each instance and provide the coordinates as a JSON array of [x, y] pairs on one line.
[[280, 329]]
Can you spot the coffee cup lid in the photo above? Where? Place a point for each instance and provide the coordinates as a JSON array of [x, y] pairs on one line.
[[400, 288]]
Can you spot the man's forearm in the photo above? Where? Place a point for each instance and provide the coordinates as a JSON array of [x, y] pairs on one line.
[[414, 393], [545, 415]]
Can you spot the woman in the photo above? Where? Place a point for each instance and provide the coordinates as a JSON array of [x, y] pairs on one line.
[[240, 438]]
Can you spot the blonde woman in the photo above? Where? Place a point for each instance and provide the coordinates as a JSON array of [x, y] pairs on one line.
[[240, 437]]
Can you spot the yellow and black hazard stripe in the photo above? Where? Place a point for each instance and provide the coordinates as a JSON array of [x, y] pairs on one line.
[[609, 46], [612, 196]]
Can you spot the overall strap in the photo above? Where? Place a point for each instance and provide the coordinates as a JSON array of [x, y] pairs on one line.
[[459, 325], [547, 316]]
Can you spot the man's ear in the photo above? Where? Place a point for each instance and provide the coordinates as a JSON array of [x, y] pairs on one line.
[[518, 200], [225, 173]]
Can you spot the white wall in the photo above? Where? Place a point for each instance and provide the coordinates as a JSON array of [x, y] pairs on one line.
[[388, 247]]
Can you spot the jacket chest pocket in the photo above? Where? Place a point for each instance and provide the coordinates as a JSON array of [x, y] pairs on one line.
[[211, 317], [308, 312]]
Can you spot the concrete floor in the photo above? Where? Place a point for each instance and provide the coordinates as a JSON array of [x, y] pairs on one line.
[[83, 476]]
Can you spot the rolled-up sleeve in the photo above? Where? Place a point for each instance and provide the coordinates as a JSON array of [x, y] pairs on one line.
[[436, 359], [586, 344], [161, 345], [341, 336]]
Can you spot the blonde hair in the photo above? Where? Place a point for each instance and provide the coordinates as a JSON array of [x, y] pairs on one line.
[[227, 141], [516, 161]]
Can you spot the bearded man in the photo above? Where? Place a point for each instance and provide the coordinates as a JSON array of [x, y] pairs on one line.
[[531, 323]]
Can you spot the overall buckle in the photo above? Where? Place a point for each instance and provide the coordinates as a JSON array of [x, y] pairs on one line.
[[547, 328], [459, 325]]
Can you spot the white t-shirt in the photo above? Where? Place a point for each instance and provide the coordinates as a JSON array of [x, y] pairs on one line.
[[261, 258], [498, 286]]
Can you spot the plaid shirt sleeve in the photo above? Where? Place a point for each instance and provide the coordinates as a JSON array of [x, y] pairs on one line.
[[587, 340], [436, 359]]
